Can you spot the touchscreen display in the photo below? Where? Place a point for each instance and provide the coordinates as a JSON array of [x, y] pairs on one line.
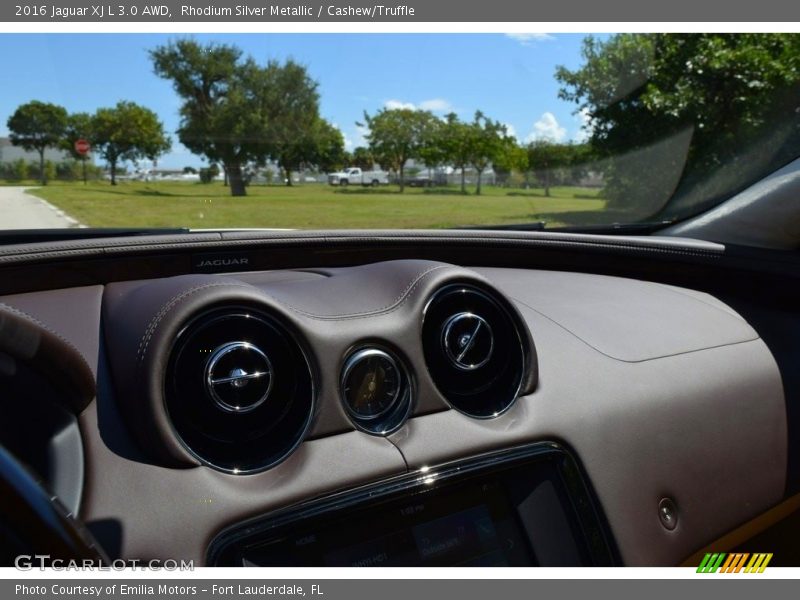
[[522, 507], [472, 524]]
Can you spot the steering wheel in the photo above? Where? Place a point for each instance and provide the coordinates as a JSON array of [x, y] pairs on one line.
[[32, 520]]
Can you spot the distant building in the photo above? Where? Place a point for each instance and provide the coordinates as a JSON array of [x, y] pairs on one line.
[[10, 153]]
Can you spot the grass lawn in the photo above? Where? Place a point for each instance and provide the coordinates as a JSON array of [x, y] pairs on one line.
[[316, 206], [30, 183]]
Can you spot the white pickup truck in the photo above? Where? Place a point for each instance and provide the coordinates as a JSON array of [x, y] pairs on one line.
[[356, 176]]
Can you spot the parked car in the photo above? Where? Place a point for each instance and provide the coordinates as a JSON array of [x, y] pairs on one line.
[[357, 176], [420, 181]]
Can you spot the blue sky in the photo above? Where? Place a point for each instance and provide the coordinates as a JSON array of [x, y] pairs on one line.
[[510, 78]]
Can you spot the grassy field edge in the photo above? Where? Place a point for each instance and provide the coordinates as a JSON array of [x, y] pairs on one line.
[[316, 206]]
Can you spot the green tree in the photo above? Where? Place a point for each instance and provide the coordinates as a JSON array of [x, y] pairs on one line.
[[485, 142], [510, 157], [329, 152], [221, 110], [237, 112], [296, 135], [454, 140], [581, 161], [362, 158], [127, 132], [79, 127], [685, 109], [433, 152], [19, 169], [545, 158], [319, 144], [396, 136], [209, 174], [37, 126]]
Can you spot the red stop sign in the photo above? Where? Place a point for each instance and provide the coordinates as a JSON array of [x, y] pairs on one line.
[[82, 147]]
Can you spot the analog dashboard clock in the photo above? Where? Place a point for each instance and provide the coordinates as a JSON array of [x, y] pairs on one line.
[[375, 390]]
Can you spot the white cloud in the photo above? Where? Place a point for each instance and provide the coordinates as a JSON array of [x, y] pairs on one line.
[[348, 143], [354, 138], [433, 105], [547, 128], [398, 105], [510, 130], [436, 105], [526, 39]]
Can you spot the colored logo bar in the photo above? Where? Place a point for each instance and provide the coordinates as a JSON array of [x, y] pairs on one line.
[[738, 562]]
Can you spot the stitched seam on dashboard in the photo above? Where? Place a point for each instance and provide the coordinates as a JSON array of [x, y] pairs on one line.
[[391, 307], [141, 351], [49, 330], [175, 300], [622, 360]]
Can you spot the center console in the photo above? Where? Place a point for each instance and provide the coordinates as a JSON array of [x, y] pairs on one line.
[[526, 506]]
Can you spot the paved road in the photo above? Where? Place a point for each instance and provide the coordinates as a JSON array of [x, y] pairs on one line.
[[19, 210]]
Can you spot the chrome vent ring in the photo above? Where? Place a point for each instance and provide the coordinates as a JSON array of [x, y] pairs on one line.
[[238, 377], [238, 389], [474, 349]]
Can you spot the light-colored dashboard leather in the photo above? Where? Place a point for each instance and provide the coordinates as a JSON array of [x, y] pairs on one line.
[[705, 427], [33, 329], [625, 319], [658, 391]]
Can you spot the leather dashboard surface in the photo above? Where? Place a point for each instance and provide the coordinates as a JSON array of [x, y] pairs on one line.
[[659, 392]]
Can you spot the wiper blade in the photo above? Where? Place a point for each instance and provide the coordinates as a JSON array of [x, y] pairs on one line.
[[34, 236], [616, 228], [604, 228], [534, 226]]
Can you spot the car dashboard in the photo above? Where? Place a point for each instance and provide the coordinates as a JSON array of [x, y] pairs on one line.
[[384, 399]]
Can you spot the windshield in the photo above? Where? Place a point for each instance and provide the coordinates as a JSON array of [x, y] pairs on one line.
[[330, 131]]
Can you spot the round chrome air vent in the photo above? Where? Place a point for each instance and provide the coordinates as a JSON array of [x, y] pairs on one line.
[[468, 341], [238, 377], [238, 389], [474, 349]]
